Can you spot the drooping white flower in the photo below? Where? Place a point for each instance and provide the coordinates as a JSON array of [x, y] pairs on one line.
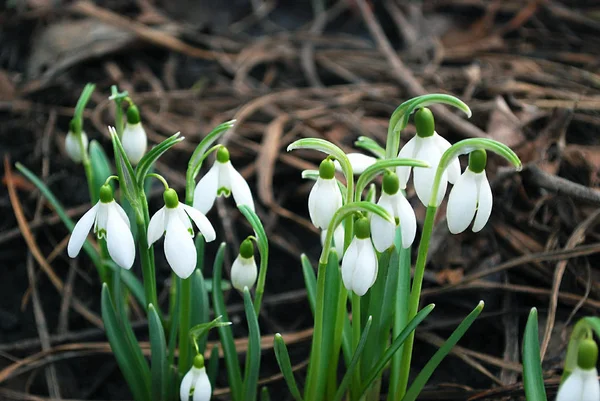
[[243, 269], [428, 146], [222, 180], [470, 197], [73, 147], [338, 239], [359, 162], [359, 264], [195, 382], [134, 140], [173, 219], [394, 202], [582, 384], [109, 221], [325, 197]]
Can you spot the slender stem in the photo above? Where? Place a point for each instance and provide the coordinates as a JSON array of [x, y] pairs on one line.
[[356, 332], [337, 339], [415, 295], [160, 178], [148, 274], [185, 297]]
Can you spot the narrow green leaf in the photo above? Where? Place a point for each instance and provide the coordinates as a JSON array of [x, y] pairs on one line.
[[159, 365], [100, 167], [200, 306], [231, 360], [283, 360], [354, 363], [212, 369], [310, 281], [127, 179], [366, 143], [395, 346], [333, 281], [423, 376], [264, 394], [202, 329], [198, 156], [137, 375], [253, 354], [533, 381], [133, 284], [145, 164]]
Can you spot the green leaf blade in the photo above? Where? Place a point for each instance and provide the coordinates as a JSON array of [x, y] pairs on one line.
[[533, 380]]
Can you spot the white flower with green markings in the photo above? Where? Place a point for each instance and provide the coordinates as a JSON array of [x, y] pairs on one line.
[[394, 202], [325, 197], [471, 196], [582, 384], [222, 180], [243, 269], [73, 145], [428, 146], [359, 265], [134, 140], [173, 220], [109, 221], [195, 383]]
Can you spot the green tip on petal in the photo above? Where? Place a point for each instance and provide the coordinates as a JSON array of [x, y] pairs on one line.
[[171, 198], [222, 155], [327, 169], [362, 228], [424, 122], [391, 183], [247, 249], [199, 361], [477, 160], [133, 114], [106, 194], [587, 354]]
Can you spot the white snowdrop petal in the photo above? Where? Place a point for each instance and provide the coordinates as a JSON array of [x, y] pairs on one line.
[[206, 190], [407, 151], [313, 202], [134, 142], [119, 239], [349, 263], [453, 169], [179, 247], [81, 230], [572, 388], [591, 386], [202, 390], [243, 273], [360, 162], [186, 384], [338, 239], [224, 177], [180, 212], [382, 231], [408, 220], [240, 188], [73, 147], [424, 177], [365, 272], [462, 203], [156, 228], [101, 218], [201, 222], [323, 201], [484, 203]]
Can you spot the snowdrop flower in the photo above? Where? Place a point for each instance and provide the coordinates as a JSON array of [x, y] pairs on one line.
[[134, 136], [582, 384], [325, 197], [195, 382], [428, 146], [244, 270], [173, 219], [110, 222], [222, 180], [338, 239], [394, 202], [72, 145], [470, 197], [359, 265], [359, 162]]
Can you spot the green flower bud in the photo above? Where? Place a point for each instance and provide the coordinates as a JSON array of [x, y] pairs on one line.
[[362, 228], [477, 160], [171, 198], [587, 354], [327, 169], [199, 361], [222, 155], [424, 122], [247, 249], [133, 114], [391, 183], [106, 194]]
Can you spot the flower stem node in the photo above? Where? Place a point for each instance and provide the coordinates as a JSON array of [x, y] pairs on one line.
[[244, 270], [359, 265], [325, 197], [424, 122], [391, 183], [582, 384], [133, 115], [134, 140], [173, 220], [222, 180], [477, 160], [195, 383], [109, 221]]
